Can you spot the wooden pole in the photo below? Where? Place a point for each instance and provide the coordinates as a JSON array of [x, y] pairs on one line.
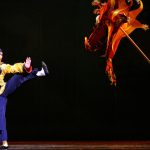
[[138, 48]]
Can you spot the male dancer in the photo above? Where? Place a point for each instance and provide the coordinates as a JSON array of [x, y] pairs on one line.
[[23, 72]]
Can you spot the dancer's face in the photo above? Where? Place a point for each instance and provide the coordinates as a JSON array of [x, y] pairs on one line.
[[1, 55]]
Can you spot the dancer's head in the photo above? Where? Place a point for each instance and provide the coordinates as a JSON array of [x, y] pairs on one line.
[[1, 54]]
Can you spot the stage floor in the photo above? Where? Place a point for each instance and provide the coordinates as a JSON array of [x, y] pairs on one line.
[[86, 145]]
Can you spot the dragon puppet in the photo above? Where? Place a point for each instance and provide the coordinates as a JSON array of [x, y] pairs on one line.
[[114, 20]]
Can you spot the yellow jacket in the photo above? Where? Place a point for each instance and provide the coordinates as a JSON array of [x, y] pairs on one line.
[[7, 68]]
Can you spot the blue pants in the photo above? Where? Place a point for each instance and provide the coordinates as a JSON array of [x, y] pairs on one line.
[[13, 83]]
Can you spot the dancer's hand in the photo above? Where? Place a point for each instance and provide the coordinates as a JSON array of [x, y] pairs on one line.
[[27, 63]]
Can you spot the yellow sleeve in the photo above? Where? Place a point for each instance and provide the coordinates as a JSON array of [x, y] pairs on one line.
[[16, 68]]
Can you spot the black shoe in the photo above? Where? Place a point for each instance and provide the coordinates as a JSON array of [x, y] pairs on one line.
[[44, 66], [3, 147]]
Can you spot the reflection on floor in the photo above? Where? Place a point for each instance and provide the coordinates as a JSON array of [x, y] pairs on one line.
[[77, 145]]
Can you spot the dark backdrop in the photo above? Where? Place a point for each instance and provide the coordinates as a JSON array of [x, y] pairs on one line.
[[75, 102]]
